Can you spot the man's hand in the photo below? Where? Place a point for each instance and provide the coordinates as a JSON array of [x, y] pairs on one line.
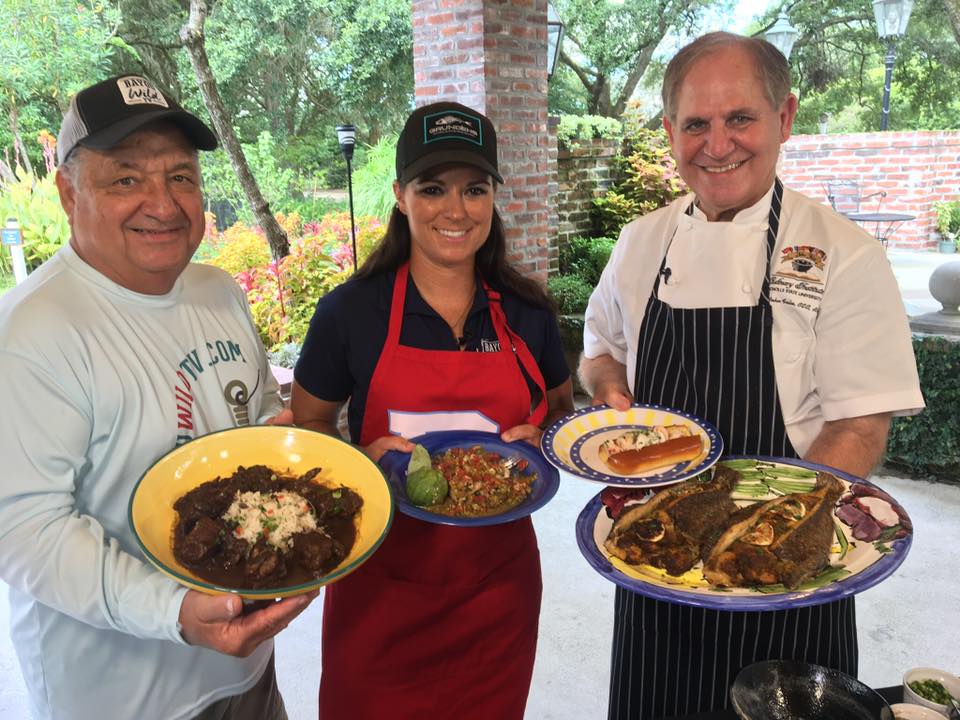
[[284, 417], [218, 622], [606, 379]]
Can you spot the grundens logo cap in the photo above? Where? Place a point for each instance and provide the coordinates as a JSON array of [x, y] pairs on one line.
[[446, 132]]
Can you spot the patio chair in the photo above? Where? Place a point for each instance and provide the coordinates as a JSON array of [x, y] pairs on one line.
[[846, 196]]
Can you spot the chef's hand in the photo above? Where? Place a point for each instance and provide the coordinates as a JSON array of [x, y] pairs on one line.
[[615, 394], [530, 433], [284, 417], [378, 447], [218, 621]]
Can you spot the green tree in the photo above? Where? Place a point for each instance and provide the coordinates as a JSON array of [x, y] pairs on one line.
[[48, 50], [609, 46]]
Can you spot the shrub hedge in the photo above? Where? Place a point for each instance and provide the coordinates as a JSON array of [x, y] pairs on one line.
[[928, 444]]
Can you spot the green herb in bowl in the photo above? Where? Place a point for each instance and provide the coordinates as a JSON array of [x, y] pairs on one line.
[[932, 690]]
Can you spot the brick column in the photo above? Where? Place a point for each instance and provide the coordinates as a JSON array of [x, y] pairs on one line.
[[492, 55]]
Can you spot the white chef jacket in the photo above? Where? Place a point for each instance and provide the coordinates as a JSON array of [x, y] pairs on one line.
[[841, 341]]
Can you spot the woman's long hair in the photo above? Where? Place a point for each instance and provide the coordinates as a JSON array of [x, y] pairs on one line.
[[491, 260]]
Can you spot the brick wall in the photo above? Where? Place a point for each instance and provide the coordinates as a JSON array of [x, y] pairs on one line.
[[583, 173], [914, 168], [492, 55]]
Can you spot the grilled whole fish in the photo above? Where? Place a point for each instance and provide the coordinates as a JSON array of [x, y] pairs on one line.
[[668, 530], [785, 540]]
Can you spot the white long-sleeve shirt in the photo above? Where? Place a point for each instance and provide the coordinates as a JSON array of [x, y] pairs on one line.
[[96, 383]]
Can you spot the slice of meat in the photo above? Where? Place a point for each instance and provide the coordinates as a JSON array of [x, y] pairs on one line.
[[202, 540], [785, 540], [667, 531]]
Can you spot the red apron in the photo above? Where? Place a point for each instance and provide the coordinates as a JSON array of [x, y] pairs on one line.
[[441, 621]]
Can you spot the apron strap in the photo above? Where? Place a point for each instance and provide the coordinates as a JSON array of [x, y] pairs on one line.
[[396, 305], [508, 338]]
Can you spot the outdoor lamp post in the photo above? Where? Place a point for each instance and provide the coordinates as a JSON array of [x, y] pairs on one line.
[[554, 38], [347, 137], [892, 18], [782, 35]]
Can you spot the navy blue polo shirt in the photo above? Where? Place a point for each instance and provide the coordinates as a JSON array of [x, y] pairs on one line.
[[349, 329]]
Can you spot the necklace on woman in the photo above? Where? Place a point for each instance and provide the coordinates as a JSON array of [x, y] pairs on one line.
[[461, 323]]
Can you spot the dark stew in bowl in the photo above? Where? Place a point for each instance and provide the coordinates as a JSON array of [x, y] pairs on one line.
[[262, 529]]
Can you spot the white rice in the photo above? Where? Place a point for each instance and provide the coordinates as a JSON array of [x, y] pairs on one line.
[[275, 516]]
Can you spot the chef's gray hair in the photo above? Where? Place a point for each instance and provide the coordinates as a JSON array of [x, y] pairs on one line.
[[772, 67]]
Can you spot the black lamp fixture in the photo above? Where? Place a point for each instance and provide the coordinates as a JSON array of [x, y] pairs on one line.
[[782, 35], [892, 18], [554, 39], [347, 137]]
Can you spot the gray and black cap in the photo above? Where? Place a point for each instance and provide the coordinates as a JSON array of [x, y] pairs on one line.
[[102, 115], [442, 133]]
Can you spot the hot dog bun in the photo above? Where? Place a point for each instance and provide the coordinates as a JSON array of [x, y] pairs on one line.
[[651, 457]]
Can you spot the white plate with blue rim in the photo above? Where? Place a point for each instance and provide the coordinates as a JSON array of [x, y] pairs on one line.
[[572, 443]]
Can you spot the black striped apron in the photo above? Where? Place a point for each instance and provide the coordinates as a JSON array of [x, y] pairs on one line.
[[717, 363]]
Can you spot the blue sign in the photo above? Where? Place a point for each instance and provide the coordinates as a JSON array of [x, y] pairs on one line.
[[11, 236]]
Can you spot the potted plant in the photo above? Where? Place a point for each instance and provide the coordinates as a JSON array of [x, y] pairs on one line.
[[948, 224]]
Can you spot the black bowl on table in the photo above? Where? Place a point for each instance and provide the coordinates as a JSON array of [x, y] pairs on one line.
[[789, 690]]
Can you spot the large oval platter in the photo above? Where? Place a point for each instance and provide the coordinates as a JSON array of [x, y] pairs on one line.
[[544, 487], [855, 565], [572, 443]]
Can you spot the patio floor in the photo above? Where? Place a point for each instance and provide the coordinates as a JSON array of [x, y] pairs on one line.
[[905, 621]]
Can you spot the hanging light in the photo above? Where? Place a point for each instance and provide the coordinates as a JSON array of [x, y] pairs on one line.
[[554, 39], [782, 35]]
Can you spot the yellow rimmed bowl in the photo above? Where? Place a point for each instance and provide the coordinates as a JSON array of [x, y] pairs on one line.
[[152, 517]]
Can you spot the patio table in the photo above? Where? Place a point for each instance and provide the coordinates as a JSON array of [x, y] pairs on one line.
[[885, 222]]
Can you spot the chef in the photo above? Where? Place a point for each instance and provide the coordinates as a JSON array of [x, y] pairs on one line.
[[763, 312]]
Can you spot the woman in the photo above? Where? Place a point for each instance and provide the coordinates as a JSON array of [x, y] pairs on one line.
[[441, 621]]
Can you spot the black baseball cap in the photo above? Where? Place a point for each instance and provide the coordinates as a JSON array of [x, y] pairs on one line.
[[446, 132], [102, 115]]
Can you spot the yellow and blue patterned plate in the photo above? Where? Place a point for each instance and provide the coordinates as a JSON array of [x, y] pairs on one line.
[[572, 443]]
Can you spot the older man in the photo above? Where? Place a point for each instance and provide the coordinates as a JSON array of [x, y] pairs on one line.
[[763, 312], [104, 367]]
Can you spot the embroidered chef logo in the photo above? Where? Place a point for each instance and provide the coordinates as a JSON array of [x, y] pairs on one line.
[[140, 91], [452, 125], [803, 261], [798, 277]]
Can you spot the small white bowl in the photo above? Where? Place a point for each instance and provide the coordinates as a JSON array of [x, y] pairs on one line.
[[909, 711], [948, 680]]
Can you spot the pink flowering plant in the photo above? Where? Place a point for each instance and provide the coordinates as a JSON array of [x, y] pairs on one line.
[[283, 294]]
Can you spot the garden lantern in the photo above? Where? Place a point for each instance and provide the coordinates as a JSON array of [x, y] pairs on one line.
[[892, 18], [554, 38], [782, 35], [347, 137]]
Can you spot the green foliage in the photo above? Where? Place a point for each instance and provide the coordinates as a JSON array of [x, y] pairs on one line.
[[586, 257], [586, 127], [929, 443], [948, 219], [582, 260], [36, 205], [284, 295], [647, 180], [373, 182], [276, 182], [49, 49], [571, 293]]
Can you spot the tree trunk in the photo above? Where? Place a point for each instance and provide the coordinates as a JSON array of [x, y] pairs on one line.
[[20, 150], [953, 12], [191, 35]]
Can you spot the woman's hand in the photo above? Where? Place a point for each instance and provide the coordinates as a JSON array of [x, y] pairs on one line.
[[378, 447], [529, 433]]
